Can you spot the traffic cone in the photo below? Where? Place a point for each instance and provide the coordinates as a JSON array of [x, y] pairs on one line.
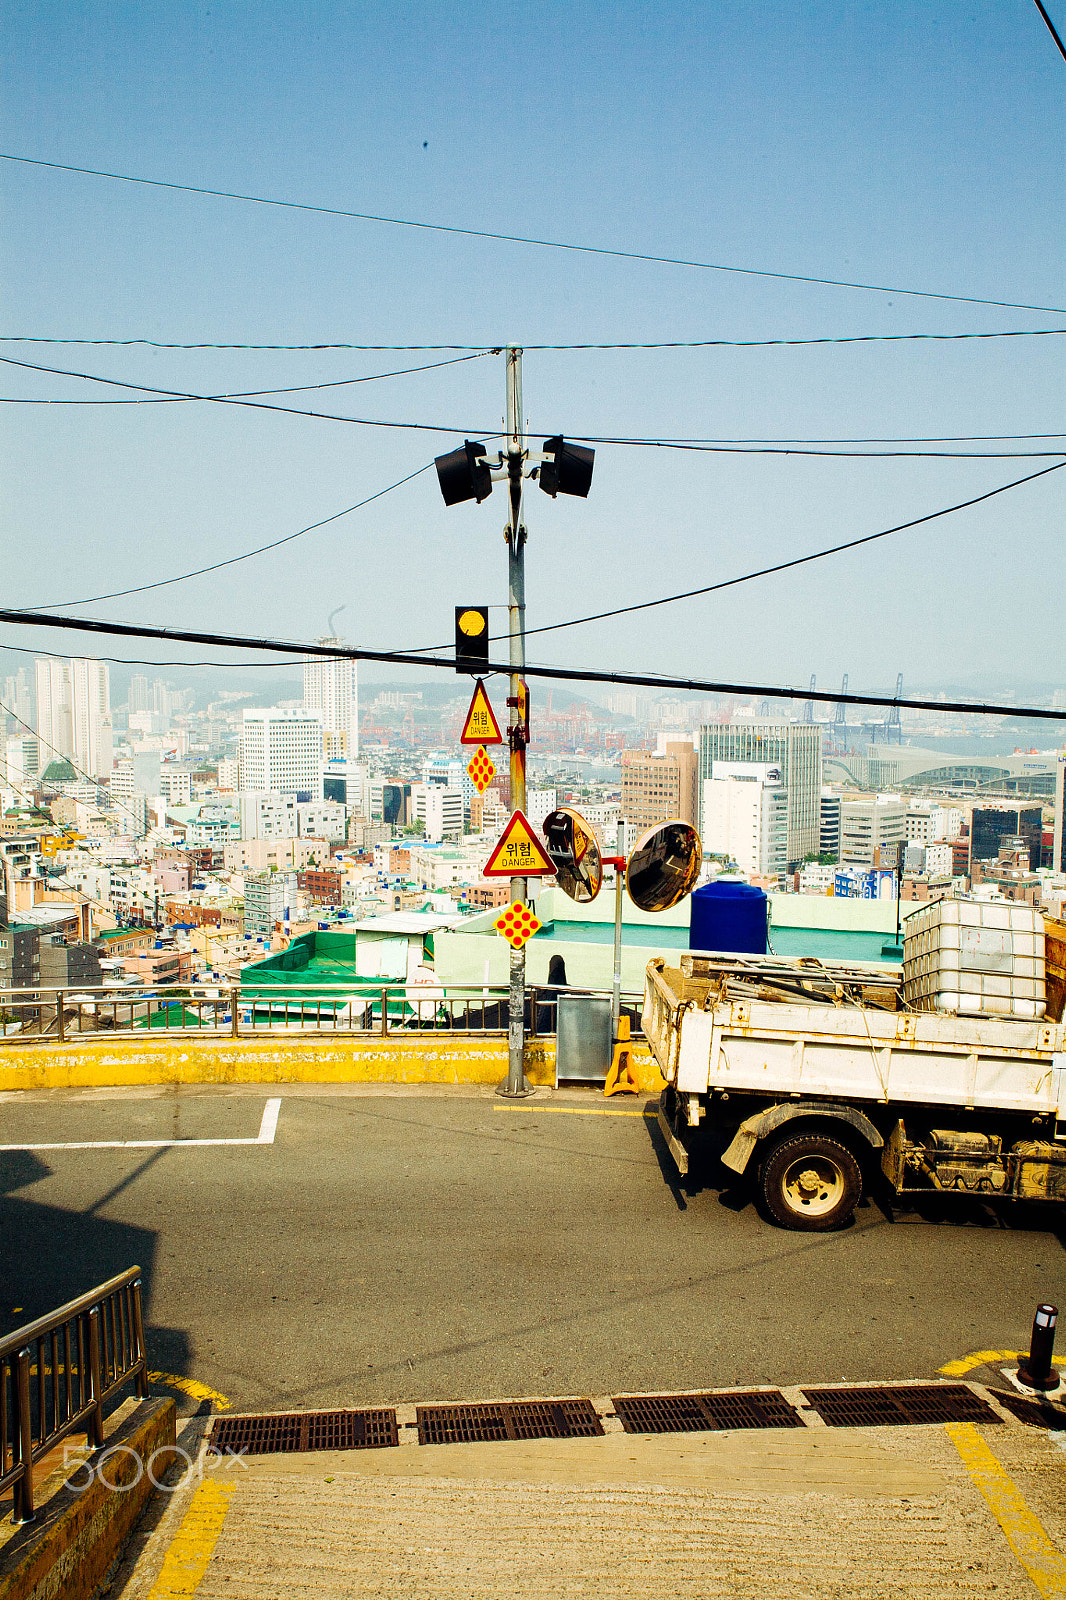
[[621, 1078]]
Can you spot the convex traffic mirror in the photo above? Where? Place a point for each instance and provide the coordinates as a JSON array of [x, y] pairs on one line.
[[574, 853], [664, 866]]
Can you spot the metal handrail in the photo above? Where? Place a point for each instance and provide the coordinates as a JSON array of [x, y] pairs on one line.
[[339, 1007], [86, 1351]]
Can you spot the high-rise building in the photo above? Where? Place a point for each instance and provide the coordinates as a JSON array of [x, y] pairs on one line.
[[988, 825], [74, 714], [140, 695], [868, 827], [796, 749], [745, 817], [331, 687], [281, 753], [660, 788], [17, 698], [1058, 849]]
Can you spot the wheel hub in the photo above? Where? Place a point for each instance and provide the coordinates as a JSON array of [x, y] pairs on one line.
[[813, 1185]]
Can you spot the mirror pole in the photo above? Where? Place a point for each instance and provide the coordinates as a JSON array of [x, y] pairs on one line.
[[619, 878], [516, 1085]]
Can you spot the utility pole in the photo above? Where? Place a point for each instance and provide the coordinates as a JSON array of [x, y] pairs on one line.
[[516, 1085], [467, 474]]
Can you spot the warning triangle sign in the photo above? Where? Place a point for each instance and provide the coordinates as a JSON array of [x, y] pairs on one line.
[[480, 726], [519, 853]]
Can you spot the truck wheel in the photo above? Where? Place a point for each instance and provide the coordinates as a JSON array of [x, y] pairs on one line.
[[810, 1183]]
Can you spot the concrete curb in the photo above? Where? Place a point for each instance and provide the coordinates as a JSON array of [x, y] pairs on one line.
[[184, 1058], [76, 1538]]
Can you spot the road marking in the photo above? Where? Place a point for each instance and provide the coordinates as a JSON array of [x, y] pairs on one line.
[[267, 1129], [269, 1125], [1044, 1563], [976, 1358], [573, 1111], [190, 1386], [194, 1543]]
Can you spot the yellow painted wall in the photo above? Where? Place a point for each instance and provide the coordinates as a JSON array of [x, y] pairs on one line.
[[293, 1058]]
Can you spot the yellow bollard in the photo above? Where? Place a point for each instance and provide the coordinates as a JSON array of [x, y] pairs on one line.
[[621, 1078]]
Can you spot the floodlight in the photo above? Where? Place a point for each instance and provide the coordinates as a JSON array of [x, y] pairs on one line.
[[569, 469], [464, 474]]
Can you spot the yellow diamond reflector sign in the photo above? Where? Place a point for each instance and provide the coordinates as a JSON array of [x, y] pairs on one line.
[[481, 769], [517, 924], [519, 853]]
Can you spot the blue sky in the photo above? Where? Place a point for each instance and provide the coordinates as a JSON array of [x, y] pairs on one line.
[[913, 145]]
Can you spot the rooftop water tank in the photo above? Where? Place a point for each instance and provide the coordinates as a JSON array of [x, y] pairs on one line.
[[728, 915]]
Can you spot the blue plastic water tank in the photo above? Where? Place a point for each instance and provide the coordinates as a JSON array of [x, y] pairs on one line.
[[728, 916]]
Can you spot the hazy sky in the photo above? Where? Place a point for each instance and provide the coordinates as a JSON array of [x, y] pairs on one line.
[[915, 144]]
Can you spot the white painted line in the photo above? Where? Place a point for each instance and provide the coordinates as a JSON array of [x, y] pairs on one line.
[[267, 1129], [269, 1125]]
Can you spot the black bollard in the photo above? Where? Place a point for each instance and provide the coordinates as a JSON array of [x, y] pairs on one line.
[[1035, 1369]]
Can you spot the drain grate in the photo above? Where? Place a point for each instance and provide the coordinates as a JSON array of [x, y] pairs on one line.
[[897, 1405], [1038, 1413], [695, 1413], [516, 1419], [306, 1430]]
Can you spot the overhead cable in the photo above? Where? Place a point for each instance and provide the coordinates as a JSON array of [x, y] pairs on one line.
[[692, 445], [231, 561], [782, 566], [1052, 29], [517, 238], [616, 344], [408, 658]]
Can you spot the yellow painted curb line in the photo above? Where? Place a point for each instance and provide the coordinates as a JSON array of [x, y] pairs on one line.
[[977, 1358], [194, 1544], [1025, 1534], [578, 1111], [189, 1386]]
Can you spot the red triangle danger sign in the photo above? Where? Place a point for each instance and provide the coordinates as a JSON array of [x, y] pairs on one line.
[[519, 853], [480, 726]]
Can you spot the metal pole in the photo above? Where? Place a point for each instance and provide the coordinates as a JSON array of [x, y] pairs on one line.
[[619, 878], [23, 1486], [516, 1084]]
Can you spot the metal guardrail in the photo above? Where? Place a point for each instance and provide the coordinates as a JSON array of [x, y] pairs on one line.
[[239, 1011], [58, 1372]]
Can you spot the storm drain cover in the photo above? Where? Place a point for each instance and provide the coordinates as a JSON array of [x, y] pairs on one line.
[[695, 1413], [1038, 1413], [903, 1404], [306, 1430], [514, 1419]]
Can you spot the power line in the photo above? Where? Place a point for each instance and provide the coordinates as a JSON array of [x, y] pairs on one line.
[[1052, 30], [256, 405], [693, 445], [515, 238], [616, 344], [232, 561], [68, 759], [780, 566], [172, 398], [409, 658]]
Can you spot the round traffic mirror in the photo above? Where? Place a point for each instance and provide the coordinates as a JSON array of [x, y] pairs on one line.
[[665, 865], [574, 853]]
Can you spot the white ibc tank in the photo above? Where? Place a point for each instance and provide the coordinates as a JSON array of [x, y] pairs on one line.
[[970, 957]]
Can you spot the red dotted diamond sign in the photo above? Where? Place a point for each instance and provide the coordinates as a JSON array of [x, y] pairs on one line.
[[481, 769], [517, 924]]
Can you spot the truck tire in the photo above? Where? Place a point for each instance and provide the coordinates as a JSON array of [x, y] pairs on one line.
[[810, 1183]]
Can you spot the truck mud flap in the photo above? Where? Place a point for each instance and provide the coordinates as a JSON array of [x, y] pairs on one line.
[[673, 1143]]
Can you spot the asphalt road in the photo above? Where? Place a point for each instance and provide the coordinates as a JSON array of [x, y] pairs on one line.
[[418, 1245]]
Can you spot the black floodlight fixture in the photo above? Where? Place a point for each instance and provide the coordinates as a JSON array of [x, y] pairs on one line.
[[567, 468], [464, 474]]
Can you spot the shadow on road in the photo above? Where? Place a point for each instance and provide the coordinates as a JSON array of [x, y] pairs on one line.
[[52, 1255]]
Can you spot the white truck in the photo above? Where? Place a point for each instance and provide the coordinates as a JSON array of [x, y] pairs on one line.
[[819, 1081]]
